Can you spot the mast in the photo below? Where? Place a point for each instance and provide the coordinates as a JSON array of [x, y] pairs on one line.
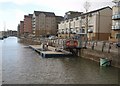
[[4, 29]]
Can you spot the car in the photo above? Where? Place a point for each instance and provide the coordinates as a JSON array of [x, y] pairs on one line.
[[118, 44]]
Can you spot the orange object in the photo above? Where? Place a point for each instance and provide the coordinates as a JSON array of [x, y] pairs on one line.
[[75, 43], [68, 43]]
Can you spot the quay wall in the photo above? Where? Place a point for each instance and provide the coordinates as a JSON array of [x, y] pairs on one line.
[[29, 41], [97, 53], [94, 51]]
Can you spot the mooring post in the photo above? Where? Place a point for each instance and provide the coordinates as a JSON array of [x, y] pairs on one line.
[[103, 45], [109, 47], [93, 45], [79, 52]]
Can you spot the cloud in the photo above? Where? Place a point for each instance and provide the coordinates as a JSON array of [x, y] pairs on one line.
[[17, 1], [11, 18], [16, 11]]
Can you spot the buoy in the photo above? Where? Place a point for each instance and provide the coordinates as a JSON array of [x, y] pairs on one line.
[[105, 62]]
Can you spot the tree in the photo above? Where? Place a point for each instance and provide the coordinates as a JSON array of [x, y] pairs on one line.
[[86, 6]]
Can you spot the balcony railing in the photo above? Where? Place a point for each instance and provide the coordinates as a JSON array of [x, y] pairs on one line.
[[116, 27], [90, 30], [116, 16]]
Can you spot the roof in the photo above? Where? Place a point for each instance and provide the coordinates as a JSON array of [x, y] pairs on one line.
[[59, 17], [21, 21], [73, 12], [50, 14], [30, 15], [92, 11], [97, 10], [116, 1]]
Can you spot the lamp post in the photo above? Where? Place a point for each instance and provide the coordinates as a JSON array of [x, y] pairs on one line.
[[69, 30]]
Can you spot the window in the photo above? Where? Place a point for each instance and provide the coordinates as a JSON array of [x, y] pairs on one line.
[[82, 30], [76, 18], [118, 36]]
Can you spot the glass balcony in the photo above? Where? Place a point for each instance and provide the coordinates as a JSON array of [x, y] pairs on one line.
[[116, 27], [116, 16]]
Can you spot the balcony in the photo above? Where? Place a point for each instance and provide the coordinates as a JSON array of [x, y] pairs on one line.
[[116, 17], [116, 27], [33, 26], [90, 30]]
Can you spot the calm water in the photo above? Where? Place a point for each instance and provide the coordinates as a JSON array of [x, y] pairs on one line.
[[21, 65]]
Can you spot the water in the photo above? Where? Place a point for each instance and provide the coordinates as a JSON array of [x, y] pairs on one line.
[[21, 65]]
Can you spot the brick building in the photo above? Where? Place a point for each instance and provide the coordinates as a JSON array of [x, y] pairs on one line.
[[28, 24]]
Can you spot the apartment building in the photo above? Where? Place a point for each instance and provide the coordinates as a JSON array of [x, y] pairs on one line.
[[72, 14], [59, 19], [11, 33], [21, 28], [98, 26], [115, 32], [28, 24], [18, 30], [44, 23]]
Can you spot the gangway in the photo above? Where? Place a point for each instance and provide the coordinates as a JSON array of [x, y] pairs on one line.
[[73, 45]]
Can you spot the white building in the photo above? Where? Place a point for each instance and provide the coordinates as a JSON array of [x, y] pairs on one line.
[[99, 25], [115, 33]]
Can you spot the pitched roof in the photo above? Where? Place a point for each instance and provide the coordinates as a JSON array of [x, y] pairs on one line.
[[97, 10], [50, 14]]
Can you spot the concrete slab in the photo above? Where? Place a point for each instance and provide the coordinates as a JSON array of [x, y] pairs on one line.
[[50, 52]]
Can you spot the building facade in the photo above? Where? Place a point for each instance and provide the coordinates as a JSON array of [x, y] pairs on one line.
[[115, 32], [98, 23], [18, 30], [44, 23], [21, 28], [28, 24], [72, 14]]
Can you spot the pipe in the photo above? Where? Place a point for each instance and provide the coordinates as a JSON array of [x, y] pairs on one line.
[[98, 24]]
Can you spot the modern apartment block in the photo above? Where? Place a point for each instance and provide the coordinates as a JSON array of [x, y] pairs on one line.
[[99, 25], [115, 32], [44, 23], [28, 24]]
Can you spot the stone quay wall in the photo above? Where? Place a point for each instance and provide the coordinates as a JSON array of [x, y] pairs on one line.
[[102, 50]]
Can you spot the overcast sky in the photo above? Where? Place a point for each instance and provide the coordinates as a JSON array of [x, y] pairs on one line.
[[13, 11]]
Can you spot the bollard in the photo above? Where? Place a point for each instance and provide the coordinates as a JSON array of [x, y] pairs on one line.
[[93, 45], [96, 43], [109, 47], [103, 46]]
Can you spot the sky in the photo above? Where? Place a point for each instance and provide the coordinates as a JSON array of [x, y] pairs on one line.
[[13, 11]]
